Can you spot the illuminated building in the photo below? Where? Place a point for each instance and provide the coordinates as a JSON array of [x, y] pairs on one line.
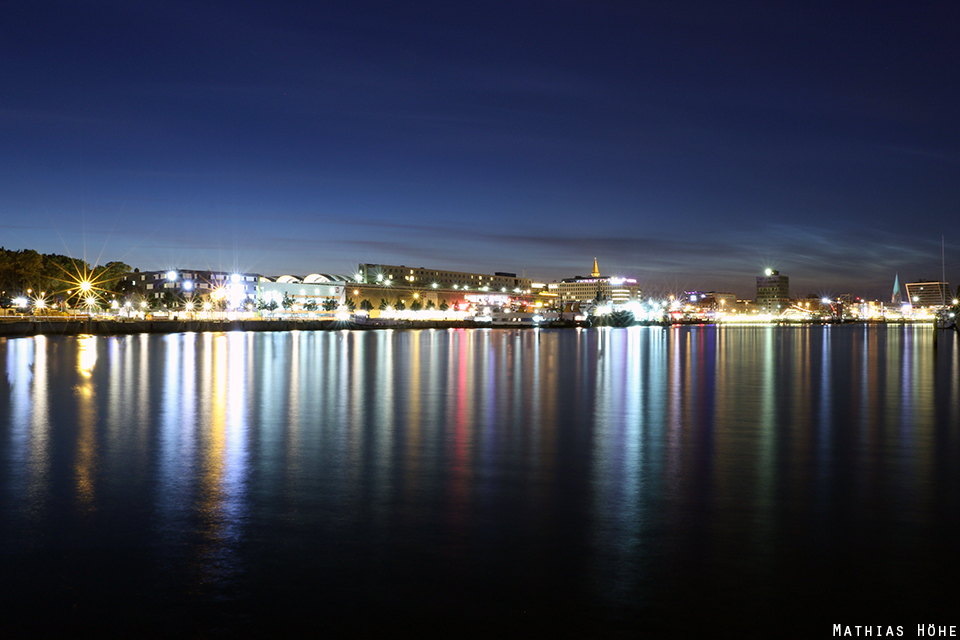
[[185, 283], [421, 277], [599, 288], [773, 292], [711, 300], [928, 293], [316, 288]]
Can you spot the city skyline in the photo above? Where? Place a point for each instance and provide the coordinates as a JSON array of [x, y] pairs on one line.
[[689, 147]]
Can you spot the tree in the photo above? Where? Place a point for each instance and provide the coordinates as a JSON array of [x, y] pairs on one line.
[[443, 305], [28, 269], [267, 306], [416, 305], [350, 304], [109, 277], [383, 304], [6, 270], [311, 306], [288, 302], [329, 304], [431, 305], [169, 300], [401, 306], [56, 274], [366, 305]]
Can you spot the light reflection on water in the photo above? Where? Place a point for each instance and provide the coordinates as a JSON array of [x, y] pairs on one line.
[[614, 477]]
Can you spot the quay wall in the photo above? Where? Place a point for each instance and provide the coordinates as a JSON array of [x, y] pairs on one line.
[[75, 327], [72, 327]]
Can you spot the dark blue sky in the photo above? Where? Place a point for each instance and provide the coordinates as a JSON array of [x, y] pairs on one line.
[[690, 145]]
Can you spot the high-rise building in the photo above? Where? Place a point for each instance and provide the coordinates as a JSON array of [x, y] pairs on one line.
[[773, 292]]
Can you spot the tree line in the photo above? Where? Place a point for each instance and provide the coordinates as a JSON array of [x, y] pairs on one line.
[[28, 272]]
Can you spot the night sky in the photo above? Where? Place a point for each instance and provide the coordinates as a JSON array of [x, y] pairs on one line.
[[689, 145]]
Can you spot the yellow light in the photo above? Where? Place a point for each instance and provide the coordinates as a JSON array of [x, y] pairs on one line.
[[86, 286]]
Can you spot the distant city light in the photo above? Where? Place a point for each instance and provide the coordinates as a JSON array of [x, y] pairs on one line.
[[171, 275], [187, 285]]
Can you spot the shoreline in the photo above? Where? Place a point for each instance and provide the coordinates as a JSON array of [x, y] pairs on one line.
[[73, 327]]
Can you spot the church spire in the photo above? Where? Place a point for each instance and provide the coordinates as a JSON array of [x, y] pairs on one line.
[[596, 271]]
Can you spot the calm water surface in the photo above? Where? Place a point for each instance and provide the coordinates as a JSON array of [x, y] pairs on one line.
[[746, 481]]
